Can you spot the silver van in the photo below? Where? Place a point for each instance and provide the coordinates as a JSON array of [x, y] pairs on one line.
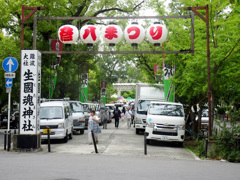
[[78, 116], [57, 116]]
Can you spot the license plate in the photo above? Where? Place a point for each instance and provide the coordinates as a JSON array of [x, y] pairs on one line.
[[4, 119], [165, 138], [45, 131]]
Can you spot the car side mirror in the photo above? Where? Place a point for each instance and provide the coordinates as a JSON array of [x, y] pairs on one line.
[[66, 115]]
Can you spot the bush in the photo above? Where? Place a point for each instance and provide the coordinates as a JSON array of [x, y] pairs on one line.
[[226, 142], [200, 148]]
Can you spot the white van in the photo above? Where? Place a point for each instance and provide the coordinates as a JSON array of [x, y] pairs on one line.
[[58, 117], [78, 116], [165, 122]]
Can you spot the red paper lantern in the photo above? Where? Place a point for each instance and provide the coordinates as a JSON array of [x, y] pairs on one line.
[[157, 33], [112, 34], [68, 34], [90, 34], [134, 34]]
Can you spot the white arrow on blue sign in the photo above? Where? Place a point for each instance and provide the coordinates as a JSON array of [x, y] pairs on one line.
[[10, 64], [8, 82]]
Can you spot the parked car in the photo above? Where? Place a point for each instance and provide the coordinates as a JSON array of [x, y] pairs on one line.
[[78, 116], [57, 116], [165, 122], [14, 119], [111, 107], [204, 119]]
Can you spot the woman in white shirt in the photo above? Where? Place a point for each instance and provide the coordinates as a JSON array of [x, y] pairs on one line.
[[93, 126], [128, 115]]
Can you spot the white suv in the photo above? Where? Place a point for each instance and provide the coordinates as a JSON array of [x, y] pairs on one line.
[[57, 116]]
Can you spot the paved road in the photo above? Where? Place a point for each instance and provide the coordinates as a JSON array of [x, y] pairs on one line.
[[121, 156], [120, 142], [55, 166], [112, 141]]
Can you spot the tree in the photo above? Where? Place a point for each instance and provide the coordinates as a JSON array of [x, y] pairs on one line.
[[68, 73], [191, 75]]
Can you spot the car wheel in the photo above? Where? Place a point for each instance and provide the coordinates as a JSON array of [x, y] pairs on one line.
[[65, 140], [81, 131], [137, 131]]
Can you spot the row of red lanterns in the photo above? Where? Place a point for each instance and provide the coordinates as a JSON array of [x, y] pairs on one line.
[[112, 34]]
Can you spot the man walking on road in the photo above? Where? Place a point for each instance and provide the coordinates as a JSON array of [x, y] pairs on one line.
[[116, 114], [128, 115]]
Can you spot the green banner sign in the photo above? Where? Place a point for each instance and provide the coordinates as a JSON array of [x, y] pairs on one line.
[[168, 72]]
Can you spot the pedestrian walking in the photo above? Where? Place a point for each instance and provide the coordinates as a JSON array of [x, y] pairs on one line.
[[93, 126], [133, 114], [116, 114], [123, 113], [128, 115], [105, 118]]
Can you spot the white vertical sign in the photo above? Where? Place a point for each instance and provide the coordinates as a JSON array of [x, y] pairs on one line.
[[30, 91], [168, 71]]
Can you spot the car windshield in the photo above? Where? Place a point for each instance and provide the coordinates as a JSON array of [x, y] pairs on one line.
[[111, 107], [76, 107], [86, 108], [205, 114], [51, 112], [166, 109], [142, 106]]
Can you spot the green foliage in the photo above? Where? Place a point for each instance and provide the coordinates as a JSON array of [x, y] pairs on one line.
[[127, 94], [225, 140], [200, 148]]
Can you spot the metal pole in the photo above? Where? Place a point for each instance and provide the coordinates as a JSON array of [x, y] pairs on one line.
[[49, 147], [208, 70], [34, 32], [22, 27], [5, 140], [9, 108], [9, 140], [8, 124], [145, 143], [192, 33], [206, 145], [94, 142]]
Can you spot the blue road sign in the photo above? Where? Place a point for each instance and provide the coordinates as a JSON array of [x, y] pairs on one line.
[[10, 64], [8, 82]]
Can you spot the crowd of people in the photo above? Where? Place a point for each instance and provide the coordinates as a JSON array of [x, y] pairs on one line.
[[93, 125]]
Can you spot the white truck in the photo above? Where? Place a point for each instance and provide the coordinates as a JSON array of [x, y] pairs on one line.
[[145, 93], [165, 122]]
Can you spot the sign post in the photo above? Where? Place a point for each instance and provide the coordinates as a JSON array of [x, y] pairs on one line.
[[10, 65], [30, 93]]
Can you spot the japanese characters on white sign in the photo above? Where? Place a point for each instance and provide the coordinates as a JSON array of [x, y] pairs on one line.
[[84, 80], [168, 71], [30, 92]]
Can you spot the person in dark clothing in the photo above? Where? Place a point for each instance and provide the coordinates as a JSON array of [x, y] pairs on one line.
[[123, 110], [123, 113], [116, 114]]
